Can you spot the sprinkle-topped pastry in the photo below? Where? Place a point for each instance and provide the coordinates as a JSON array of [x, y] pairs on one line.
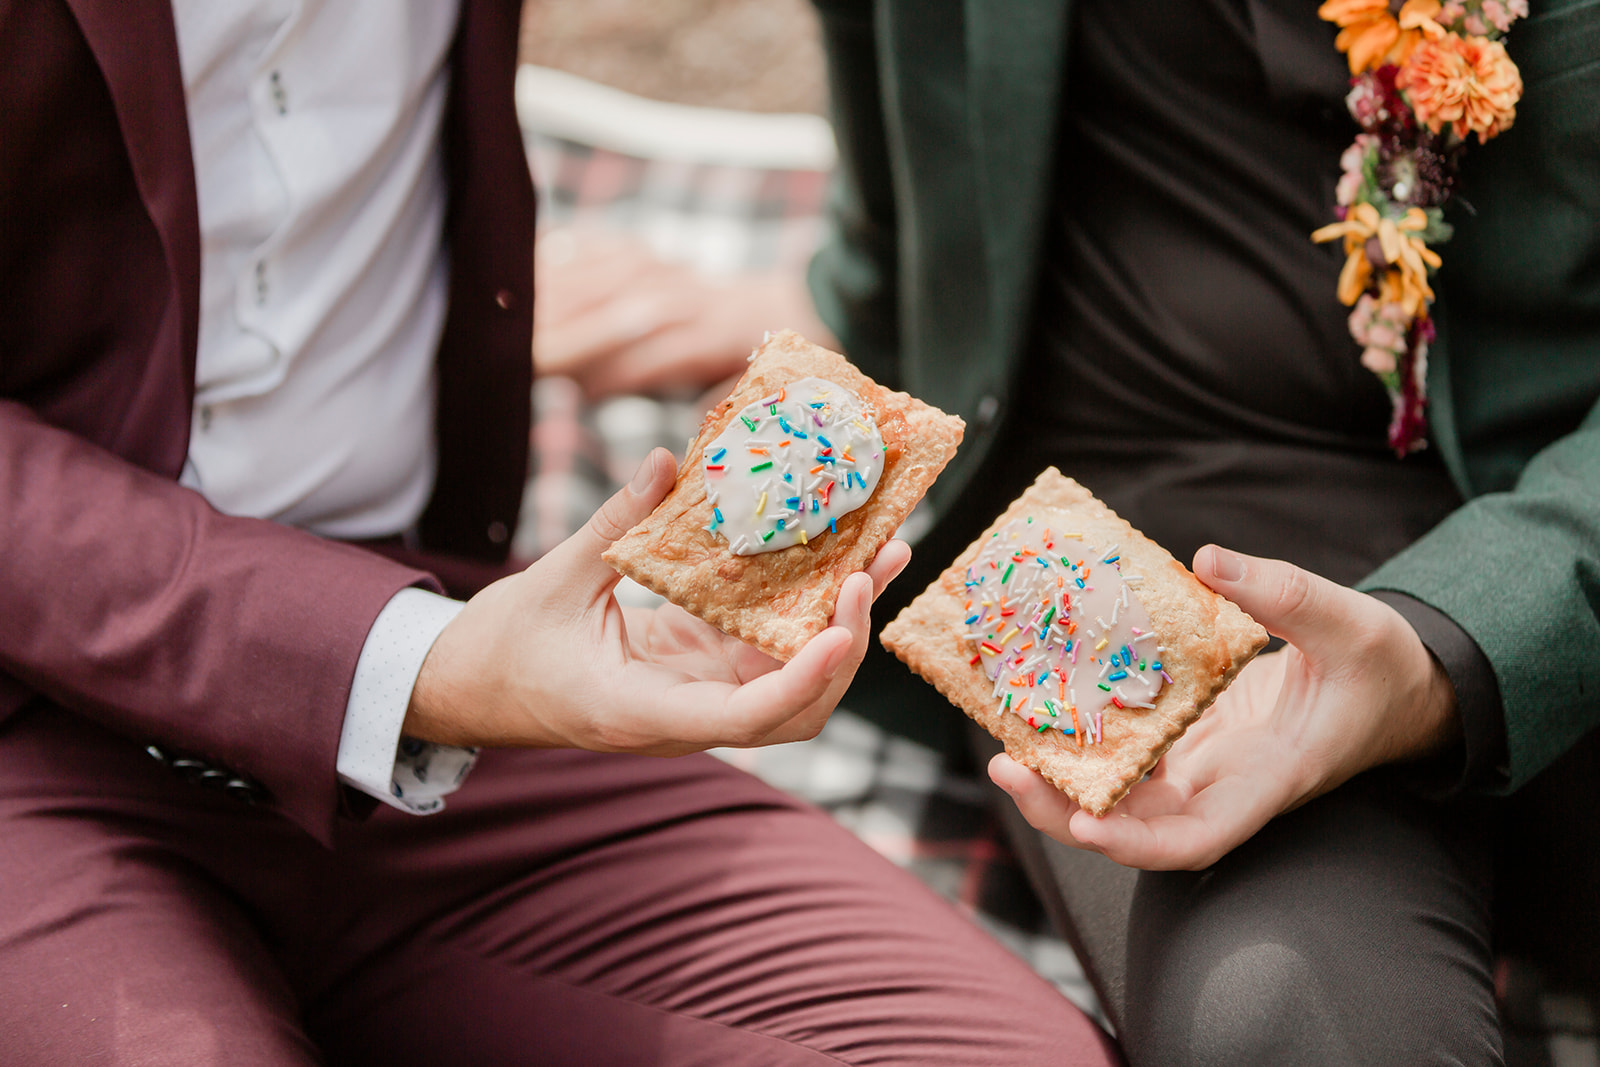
[[858, 458], [1055, 624], [1062, 606], [792, 463]]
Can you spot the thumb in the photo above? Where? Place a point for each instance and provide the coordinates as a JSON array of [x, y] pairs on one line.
[[1306, 610], [627, 507]]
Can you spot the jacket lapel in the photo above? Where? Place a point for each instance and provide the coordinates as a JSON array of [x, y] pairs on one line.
[[1016, 63], [136, 45]]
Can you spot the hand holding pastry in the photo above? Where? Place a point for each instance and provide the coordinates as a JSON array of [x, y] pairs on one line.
[[547, 658], [1075, 640], [1353, 689], [794, 481]]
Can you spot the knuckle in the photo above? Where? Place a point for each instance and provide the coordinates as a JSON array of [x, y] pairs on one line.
[[1294, 591], [613, 736], [610, 521], [810, 730], [1365, 642], [747, 737]]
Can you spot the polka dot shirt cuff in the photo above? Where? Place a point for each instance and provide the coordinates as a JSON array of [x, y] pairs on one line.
[[411, 775]]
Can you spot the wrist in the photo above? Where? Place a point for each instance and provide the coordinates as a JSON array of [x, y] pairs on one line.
[[1426, 720], [444, 708], [476, 688], [425, 719]]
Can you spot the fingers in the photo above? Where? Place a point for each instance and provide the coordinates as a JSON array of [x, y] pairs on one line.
[[1046, 808], [579, 555], [1159, 825], [793, 703], [597, 341], [887, 565], [1308, 611], [686, 353], [1178, 832]]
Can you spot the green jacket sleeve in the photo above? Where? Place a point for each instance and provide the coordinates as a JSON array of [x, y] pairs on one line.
[[1520, 572]]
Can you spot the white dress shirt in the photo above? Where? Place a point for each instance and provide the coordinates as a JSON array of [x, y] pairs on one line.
[[315, 129]]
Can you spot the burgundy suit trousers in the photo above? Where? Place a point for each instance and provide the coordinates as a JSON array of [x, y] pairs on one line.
[[566, 908]]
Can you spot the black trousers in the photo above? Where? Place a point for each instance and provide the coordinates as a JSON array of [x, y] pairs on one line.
[[1370, 926]]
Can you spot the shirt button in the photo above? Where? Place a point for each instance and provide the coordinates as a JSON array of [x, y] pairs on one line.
[[280, 99], [498, 532], [505, 299]]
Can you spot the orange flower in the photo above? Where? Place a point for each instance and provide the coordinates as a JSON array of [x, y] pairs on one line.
[[1371, 35], [1406, 258], [1467, 83]]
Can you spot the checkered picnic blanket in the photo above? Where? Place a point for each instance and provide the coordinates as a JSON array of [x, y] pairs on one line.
[[904, 799]]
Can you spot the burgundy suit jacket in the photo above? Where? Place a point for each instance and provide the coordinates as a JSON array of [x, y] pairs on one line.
[[125, 598]]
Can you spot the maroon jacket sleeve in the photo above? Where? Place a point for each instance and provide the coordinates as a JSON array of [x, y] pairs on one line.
[[125, 598], [128, 599]]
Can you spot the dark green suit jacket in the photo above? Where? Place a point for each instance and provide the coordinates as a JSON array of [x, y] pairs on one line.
[[946, 114]]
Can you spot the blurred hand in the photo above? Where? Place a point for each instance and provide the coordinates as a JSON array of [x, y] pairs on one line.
[[1354, 688], [548, 659], [616, 318]]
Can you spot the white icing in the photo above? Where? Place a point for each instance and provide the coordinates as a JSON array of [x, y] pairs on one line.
[[1065, 617], [790, 465]]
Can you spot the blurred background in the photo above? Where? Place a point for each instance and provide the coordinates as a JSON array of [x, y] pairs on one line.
[[750, 55], [681, 157]]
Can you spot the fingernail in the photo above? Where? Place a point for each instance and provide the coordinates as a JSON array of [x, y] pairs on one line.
[[1227, 566], [643, 476]]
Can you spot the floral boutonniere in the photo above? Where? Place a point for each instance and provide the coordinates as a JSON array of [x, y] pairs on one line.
[[1425, 75]]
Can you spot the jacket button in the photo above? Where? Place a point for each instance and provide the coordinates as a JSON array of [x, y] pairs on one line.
[[209, 776], [505, 299], [244, 791], [498, 532]]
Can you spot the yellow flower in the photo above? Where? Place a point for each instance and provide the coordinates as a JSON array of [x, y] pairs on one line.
[[1406, 258], [1467, 83], [1370, 34]]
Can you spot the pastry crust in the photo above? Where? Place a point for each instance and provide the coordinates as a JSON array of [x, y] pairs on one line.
[[1206, 640], [777, 601]]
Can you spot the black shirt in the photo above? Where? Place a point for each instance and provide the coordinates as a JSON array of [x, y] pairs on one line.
[[1191, 363]]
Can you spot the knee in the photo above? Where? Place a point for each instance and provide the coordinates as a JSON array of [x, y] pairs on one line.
[[1258, 1004], [1266, 1002]]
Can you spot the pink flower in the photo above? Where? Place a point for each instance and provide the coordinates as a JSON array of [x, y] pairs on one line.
[[1381, 328], [1344, 194], [1365, 101], [1353, 164], [1379, 361], [1385, 337]]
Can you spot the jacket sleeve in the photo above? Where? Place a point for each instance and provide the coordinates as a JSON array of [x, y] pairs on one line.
[[1519, 571], [854, 275], [129, 600]]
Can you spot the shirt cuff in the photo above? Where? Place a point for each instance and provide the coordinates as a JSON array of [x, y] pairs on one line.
[[1480, 761], [411, 775]]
